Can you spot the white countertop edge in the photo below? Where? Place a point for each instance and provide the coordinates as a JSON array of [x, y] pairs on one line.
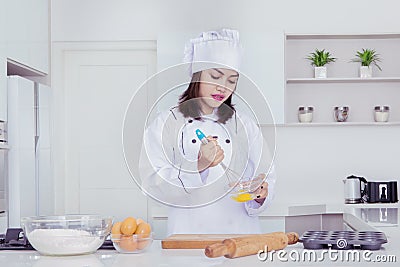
[[291, 209], [156, 256], [356, 223]]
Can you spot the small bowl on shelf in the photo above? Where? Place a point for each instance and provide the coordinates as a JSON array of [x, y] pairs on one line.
[[132, 243], [381, 113], [341, 113], [305, 114]]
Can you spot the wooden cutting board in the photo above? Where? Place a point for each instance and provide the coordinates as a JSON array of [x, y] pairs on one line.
[[190, 241]]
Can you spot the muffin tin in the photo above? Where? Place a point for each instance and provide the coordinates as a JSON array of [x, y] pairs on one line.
[[368, 240]]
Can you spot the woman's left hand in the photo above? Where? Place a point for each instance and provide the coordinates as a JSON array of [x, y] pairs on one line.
[[261, 193]]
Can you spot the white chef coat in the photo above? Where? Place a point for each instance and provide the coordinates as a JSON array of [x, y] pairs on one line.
[[168, 168]]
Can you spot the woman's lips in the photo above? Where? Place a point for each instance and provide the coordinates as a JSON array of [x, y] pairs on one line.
[[218, 97]]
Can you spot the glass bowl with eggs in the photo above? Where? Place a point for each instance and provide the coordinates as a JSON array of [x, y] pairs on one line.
[[132, 243], [131, 235], [246, 189], [66, 234]]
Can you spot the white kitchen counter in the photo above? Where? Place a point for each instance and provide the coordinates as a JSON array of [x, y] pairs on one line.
[[156, 256]]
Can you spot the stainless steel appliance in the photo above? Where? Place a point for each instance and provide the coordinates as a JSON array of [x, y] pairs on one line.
[[354, 189], [385, 192], [3, 132], [22, 186], [358, 189], [3, 177]]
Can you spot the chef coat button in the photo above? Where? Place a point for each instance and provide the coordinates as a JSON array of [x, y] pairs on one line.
[[190, 121], [194, 141], [227, 141]]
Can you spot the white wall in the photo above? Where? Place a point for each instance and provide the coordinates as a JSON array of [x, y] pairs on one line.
[[311, 161], [76, 20]]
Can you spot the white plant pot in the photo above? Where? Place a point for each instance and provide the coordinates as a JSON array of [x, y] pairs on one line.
[[365, 72], [320, 72]]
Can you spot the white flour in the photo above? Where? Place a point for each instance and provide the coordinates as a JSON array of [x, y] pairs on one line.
[[64, 241]]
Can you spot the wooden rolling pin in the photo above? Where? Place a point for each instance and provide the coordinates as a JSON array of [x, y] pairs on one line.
[[251, 245]]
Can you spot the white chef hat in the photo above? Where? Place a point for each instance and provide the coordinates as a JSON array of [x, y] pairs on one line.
[[214, 49]]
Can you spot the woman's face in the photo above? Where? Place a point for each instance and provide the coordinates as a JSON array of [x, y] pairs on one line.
[[216, 85]]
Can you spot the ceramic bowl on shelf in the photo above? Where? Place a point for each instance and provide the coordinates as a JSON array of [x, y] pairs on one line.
[[132, 243], [66, 234], [381, 113], [305, 114], [341, 113]]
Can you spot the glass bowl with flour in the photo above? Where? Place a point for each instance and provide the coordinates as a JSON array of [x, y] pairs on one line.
[[66, 234]]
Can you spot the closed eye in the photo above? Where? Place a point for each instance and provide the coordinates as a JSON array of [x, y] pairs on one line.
[[232, 82], [214, 77]]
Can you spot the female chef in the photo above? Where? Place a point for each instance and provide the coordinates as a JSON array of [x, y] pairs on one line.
[[192, 175]]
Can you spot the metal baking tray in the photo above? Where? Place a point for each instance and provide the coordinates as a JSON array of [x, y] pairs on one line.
[[365, 240]]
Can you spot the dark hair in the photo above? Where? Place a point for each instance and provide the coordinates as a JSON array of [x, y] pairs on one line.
[[192, 108]]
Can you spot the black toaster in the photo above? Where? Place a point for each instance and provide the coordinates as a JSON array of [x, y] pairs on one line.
[[384, 192]]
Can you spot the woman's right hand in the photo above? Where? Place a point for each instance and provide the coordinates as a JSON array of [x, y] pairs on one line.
[[210, 154]]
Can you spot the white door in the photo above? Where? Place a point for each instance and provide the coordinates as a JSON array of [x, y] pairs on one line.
[[98, 85]]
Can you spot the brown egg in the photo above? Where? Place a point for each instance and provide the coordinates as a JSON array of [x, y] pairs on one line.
[[139, 221], [116, 230], [143, 230], [128, 243], [128, 226]]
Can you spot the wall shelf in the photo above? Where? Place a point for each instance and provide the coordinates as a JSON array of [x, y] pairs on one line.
[[344, 80], [374, 205], [342, 124], [343, 87], [370, 36]]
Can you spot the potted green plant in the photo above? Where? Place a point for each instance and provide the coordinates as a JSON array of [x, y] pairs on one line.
[[319, 59], [367, 57]]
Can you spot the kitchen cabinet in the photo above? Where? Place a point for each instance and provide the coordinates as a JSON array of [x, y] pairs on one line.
[[342, 87], [24, 42], [26, 33], [3, 92]]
